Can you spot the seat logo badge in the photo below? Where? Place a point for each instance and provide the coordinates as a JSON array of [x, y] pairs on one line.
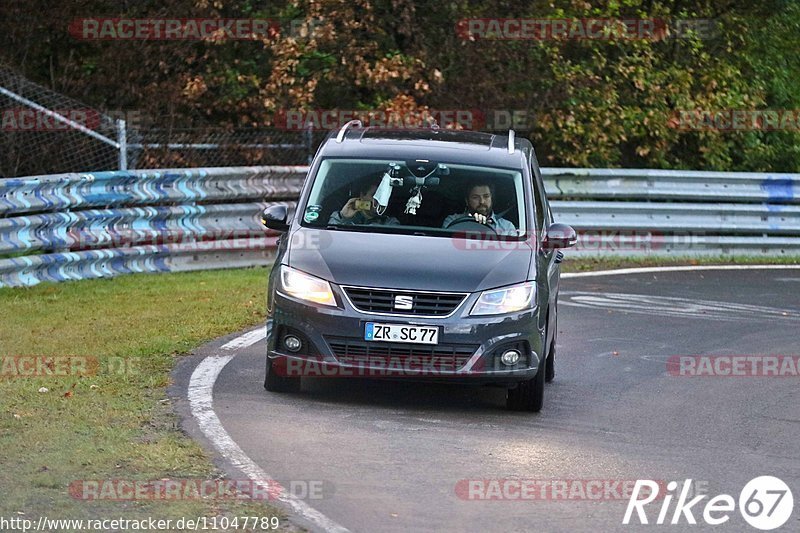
[[403, 302]]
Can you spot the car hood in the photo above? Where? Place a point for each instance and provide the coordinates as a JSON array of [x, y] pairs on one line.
[[408, 261]]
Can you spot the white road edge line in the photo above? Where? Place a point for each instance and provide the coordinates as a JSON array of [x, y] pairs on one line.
[[201, 391], [647, 270], [248, 339]]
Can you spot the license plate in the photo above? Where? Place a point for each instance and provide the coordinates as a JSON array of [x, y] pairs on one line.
[[401, 333]]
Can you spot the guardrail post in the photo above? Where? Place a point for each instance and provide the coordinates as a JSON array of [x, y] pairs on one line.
[[309, 135], [122, 140]]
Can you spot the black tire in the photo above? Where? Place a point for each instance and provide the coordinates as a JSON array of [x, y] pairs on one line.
[[529, 395], [275, 383], [551, 356], [550, 372]]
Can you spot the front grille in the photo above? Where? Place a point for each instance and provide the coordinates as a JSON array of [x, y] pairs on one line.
[[422, 303], [393, 355]]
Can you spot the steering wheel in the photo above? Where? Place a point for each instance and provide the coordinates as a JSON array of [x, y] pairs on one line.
[[468, 223]]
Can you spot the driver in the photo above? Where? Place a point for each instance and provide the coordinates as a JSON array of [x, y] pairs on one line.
[[479, 206], [352, 213]]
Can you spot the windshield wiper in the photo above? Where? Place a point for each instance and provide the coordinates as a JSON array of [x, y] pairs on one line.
[[343, 227], [381, 228]]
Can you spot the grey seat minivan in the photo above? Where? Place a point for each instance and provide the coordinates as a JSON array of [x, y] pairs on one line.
[[422, 254]]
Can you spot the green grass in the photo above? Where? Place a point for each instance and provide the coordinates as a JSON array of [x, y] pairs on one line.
[[112, 425]]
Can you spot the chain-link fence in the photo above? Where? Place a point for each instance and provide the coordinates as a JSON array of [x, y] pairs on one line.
[[159, 148], [44, 132]]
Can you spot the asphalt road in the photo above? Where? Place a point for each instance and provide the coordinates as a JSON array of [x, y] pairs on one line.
[[395, 456]]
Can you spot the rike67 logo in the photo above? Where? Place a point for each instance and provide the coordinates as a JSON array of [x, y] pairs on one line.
[[765, 503]]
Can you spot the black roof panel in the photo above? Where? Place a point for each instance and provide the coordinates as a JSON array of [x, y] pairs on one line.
[[483, 140], [468, 147]]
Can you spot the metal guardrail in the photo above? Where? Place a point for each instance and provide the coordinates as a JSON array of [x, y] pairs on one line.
[[673, 185], [78, 226], [147, 187], [677, 213], [99, 228]]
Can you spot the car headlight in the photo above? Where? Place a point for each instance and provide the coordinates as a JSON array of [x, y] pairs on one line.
[[505, 300], [306, 287]]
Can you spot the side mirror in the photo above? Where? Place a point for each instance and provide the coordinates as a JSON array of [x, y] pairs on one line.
[[274, 217], [559, 236]]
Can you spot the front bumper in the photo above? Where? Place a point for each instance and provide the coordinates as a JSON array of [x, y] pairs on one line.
[[468, 348]]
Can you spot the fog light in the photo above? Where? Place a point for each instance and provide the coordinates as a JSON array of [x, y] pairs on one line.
[[510, 357], [292, 343]]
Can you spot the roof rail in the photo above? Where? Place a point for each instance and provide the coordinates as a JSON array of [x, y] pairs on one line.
[[343, 130], [511, 135]]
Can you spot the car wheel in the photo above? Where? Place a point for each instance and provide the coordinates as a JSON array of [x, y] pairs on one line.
[[529, 395], [275, 383]]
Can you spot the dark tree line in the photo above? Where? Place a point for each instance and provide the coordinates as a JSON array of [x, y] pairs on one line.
[[614, 101]]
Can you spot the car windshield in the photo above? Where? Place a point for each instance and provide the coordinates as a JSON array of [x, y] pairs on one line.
[[416, 197]]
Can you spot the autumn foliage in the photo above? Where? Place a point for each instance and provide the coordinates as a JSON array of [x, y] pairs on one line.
[[592, 102]]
